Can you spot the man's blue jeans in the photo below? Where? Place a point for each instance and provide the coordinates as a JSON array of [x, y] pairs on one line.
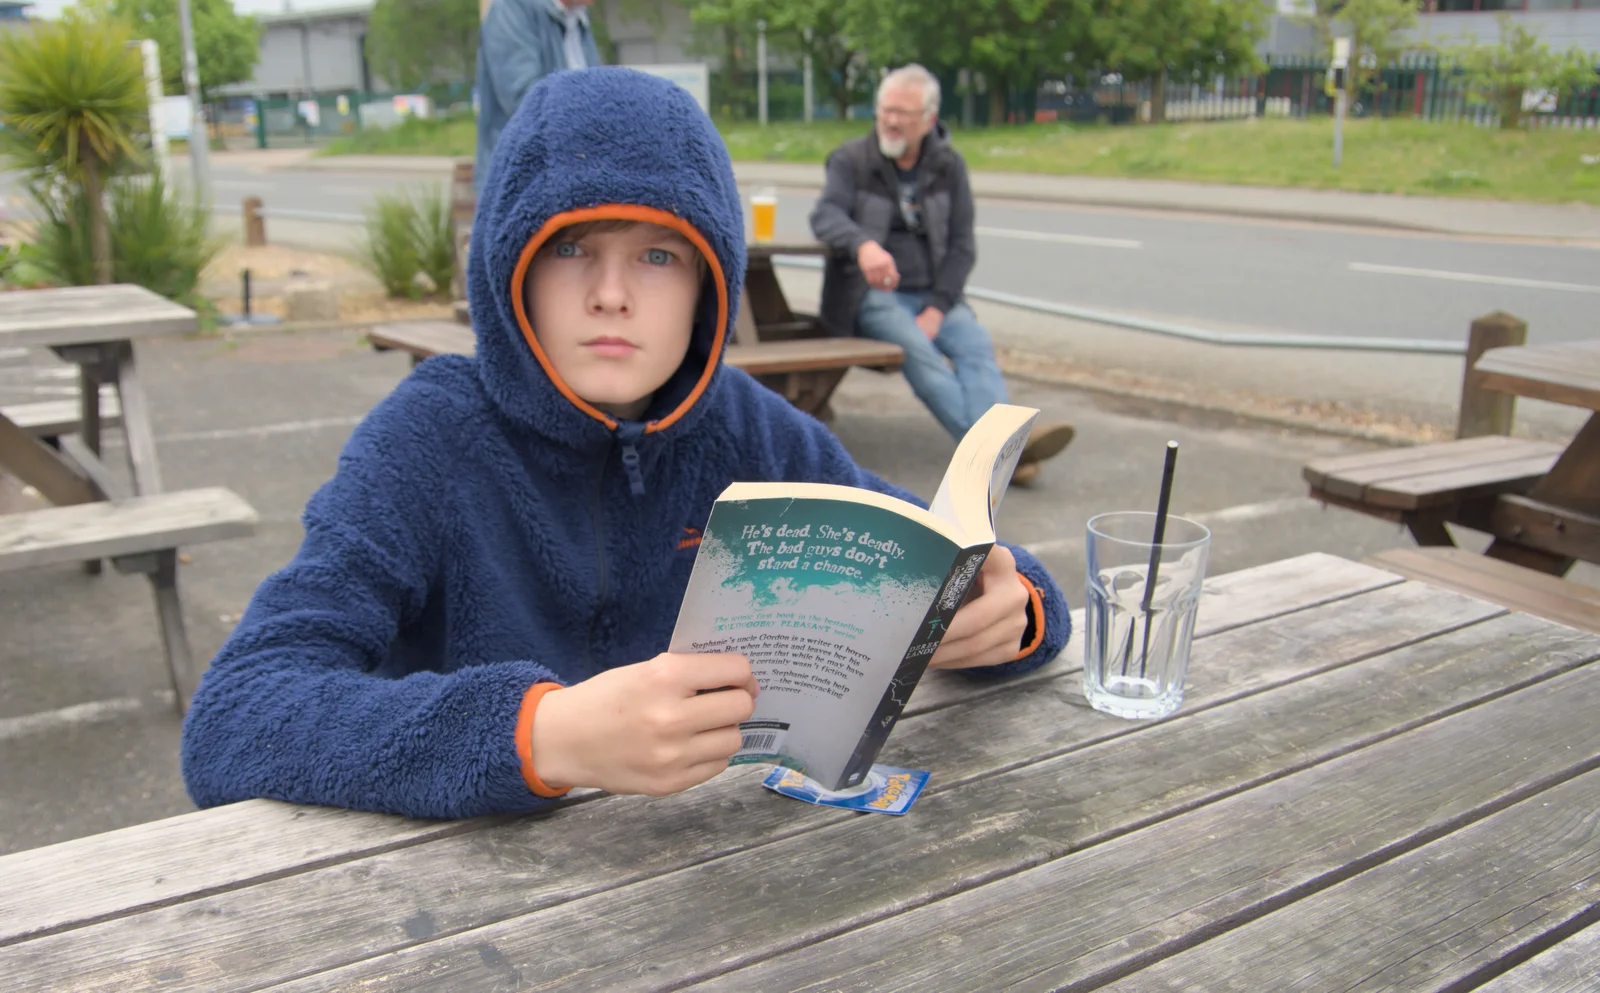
[[959, 396]]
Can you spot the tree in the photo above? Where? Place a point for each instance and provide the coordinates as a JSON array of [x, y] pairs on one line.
[[1161, 40], [414, 42], [818, 28], [71, 100], [1012, 42], [1500, 74], [1377, 30], [226, 44]]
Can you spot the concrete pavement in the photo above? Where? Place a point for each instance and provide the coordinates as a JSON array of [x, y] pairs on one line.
[[1479, 218]]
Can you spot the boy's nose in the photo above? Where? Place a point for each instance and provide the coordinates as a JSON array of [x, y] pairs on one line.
[[609, 294]]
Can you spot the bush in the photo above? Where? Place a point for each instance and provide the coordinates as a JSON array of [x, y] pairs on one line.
[[159, 239], [409, 235]]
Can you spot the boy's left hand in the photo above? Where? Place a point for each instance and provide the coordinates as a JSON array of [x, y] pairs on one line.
[[989, 629]]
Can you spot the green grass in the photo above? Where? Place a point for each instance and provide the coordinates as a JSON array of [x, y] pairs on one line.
[[1380, 156]]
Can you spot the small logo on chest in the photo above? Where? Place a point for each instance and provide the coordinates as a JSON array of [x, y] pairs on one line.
[[690, 539]]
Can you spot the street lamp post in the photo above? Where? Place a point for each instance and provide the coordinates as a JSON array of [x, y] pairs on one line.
[[761, 70], [199, 135]]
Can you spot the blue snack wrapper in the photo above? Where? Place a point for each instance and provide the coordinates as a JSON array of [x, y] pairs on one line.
[[888, 789]]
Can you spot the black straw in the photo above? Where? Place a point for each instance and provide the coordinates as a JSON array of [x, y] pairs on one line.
[[1162, 504]]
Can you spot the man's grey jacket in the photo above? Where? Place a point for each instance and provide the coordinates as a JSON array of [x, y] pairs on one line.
[[859, 203], [521, 42]]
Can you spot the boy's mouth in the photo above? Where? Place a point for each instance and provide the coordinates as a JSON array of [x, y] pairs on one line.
[[611, 346]]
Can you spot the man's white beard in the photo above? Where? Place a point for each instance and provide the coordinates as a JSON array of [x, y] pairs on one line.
[[892, 148]]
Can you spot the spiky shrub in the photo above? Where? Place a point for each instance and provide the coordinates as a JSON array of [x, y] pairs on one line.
[[72, 98], [391, 251], [435, 238], [159, 239]]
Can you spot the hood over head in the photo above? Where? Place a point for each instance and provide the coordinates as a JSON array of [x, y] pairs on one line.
[[598, 144]]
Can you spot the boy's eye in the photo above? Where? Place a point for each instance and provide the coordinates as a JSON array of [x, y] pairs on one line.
[[659, 256], [566, 249]]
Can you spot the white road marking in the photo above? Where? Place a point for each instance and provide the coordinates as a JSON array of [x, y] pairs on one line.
[[253, 185], [352, 191], [1471, 277], [1227, 515], [73, 716], [1060, 239]]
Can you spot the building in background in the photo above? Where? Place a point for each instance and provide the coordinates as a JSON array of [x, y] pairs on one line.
[[307, 53], [1559, 23]]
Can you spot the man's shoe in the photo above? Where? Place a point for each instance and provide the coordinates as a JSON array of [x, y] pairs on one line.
[[1025, 473], [1047, 440]]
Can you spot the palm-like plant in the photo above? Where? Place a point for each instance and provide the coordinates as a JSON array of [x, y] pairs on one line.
[[71, 99]]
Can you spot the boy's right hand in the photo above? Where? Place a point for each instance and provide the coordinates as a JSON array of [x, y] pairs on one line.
[[877, 265], [645, 728]]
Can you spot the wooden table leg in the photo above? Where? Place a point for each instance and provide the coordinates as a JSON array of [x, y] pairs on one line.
[[39, 465], [136, 423], [1573, 483], [89, 426]]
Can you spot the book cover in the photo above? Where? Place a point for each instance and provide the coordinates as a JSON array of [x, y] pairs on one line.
[[839, 598]]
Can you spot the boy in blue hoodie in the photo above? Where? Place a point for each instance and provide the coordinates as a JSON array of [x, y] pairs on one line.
[[477, 618]]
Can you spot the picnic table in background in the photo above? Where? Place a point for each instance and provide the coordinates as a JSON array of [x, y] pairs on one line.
[[1372, 782], [788, 352], [96, 516], [1558, 519]]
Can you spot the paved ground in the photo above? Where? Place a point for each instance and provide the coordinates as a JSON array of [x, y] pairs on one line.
[[88, 740]]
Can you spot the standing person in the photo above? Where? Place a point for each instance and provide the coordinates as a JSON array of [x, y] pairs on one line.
[[521, 42], [897, 211]]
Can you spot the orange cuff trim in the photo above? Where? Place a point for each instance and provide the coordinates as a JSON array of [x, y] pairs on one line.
[[530, 703], [621, 212], [1036, 604]]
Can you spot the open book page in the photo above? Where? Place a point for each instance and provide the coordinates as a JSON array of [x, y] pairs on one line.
[[824, 596], [980, 470]]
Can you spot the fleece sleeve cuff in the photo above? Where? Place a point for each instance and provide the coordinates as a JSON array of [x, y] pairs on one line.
[[530, 703]]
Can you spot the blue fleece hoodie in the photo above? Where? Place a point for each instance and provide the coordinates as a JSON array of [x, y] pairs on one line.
[[486, 531]]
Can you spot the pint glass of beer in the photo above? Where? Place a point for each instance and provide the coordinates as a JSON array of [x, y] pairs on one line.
[[764, 214]]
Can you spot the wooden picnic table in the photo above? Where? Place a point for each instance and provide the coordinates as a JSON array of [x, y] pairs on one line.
[[1373, 783], [96, 515], [1558, 520], [94, 327]]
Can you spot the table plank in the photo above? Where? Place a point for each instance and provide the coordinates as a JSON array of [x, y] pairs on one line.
[[82, 315], [795, 891], [154, 864], [1569, 967], [1156, 892], [1566, 373], [394, 901], [1432, 918]]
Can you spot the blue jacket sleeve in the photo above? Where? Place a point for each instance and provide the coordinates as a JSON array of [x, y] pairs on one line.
[[293, 708], [809, 452], [513, 50]]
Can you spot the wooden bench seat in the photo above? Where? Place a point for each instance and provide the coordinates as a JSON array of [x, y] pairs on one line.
[[1511, 586], [1424, 486], [50, 419], [140, 534], [803, 370]]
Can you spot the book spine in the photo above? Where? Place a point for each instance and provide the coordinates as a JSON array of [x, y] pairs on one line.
[[952, 596]]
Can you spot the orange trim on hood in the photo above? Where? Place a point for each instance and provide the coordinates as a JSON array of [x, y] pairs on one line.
[[643, 215]]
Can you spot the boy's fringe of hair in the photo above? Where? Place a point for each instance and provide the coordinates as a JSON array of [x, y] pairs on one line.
[[575, 232]]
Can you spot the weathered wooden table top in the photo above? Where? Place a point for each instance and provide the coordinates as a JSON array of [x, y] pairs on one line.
[[87, 315], [1567, 372], [1373, 784]]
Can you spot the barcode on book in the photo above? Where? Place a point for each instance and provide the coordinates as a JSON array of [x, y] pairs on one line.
[[761, 738]]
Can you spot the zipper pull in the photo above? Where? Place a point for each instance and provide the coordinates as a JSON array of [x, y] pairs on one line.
[[629, 434]]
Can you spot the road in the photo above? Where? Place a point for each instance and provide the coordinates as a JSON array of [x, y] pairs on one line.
[[1209, 272]]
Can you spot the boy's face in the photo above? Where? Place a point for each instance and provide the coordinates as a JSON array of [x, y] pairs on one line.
[[613, 311]]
